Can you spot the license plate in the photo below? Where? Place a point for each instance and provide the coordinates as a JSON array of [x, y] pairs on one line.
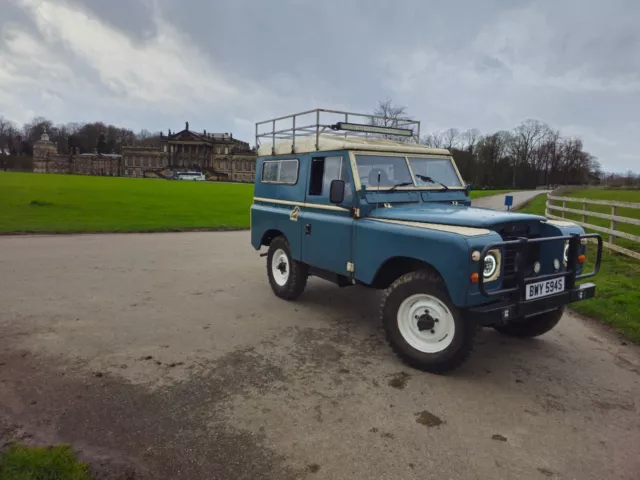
[[542, 289]]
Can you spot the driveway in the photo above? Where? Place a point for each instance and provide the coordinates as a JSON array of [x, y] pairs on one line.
[[496, 202], [167, 356]]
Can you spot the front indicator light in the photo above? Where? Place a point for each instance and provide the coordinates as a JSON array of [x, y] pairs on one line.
[[475, 277], [536, 267], [556, 264], [581, 258]]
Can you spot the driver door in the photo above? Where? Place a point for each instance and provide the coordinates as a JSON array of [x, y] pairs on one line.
[[327, 237]]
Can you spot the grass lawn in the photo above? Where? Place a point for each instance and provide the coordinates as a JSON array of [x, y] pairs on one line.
[[617, 301], [73, 203], [31, 203], [41, 463]]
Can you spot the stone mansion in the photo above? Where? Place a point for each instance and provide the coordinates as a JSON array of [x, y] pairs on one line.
[[220, 156]]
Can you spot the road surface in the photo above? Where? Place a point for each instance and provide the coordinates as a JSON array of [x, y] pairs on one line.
[[496, 202], [167, 356]]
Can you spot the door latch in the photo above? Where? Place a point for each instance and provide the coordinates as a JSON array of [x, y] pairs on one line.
[[307, 229]]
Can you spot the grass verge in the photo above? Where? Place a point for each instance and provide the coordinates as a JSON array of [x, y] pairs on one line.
[[41, 463], [617, 301]]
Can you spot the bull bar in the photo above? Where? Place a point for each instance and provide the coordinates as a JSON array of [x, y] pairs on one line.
[[516, 306]]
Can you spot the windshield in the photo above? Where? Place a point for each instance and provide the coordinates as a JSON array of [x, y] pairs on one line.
[[387, 171]]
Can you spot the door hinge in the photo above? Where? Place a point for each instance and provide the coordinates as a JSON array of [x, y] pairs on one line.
[[356, 213], [351, 267]]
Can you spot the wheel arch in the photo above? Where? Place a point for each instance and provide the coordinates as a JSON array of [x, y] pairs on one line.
[[394, 267], [269, 235]]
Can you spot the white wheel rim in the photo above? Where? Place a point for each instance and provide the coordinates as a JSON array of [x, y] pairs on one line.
[[280, 267], [426, 323]]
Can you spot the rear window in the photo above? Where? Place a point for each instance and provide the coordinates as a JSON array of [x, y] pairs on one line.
[[280, 171]]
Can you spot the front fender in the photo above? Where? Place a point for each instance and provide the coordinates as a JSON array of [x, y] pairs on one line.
[[446, 251]]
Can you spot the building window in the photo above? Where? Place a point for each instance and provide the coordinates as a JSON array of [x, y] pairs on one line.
[[280, 171], [226, 150], [136, 161], [218, 150]]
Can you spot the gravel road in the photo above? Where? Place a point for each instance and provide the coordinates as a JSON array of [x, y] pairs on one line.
[[167, 356]]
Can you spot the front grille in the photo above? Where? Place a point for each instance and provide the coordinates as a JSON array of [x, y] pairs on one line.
[[510, 259]]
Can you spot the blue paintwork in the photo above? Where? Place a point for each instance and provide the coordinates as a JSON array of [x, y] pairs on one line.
[[337, 237]]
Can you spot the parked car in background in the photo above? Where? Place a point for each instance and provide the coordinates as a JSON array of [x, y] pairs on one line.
[[194, 176]]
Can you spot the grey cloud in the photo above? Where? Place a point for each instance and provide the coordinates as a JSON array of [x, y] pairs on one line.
[[488, 65]]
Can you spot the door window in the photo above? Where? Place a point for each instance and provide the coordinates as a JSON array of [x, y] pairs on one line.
[[326, 169]]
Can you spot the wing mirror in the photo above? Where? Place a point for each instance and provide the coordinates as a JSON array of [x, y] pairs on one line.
[[336, 191]]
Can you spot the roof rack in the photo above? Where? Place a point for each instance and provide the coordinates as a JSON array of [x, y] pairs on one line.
[[338, 123]]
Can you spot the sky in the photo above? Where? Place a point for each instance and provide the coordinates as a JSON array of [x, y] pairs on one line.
[[222, 65]]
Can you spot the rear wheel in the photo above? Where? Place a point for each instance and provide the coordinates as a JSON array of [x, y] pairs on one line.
[[532, 326], [287, 277], [422, 325]]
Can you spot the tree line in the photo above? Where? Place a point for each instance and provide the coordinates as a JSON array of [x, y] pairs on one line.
[[530, 155], [70, 137]]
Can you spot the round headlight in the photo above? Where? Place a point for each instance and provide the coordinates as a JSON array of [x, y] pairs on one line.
[[490, 265], [565, 255]]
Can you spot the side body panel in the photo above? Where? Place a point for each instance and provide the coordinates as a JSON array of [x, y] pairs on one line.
[[274, 204]]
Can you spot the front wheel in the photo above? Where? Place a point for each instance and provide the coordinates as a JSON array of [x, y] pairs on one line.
[[423, 327], [532, 326], [288, 277]]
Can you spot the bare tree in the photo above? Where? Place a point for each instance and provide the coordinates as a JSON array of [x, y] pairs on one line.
[[451, 137], [434, 140], [393, 117], [470, 138], [526, 138]]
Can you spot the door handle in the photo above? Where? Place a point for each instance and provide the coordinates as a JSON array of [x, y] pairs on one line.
[[307, 229]]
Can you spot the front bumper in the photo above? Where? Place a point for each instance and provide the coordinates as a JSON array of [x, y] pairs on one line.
[[504, 312]]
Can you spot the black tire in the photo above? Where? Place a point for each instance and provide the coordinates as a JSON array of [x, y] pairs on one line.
[[430, 283], [532, 326], [298, 272]]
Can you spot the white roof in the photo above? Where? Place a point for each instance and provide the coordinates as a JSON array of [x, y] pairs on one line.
[[332, 142]]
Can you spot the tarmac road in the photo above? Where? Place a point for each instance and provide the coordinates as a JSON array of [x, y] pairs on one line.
[[496, 202], [167, 356]]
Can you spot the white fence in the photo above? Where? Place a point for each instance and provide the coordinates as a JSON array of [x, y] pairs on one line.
[[613, 218]]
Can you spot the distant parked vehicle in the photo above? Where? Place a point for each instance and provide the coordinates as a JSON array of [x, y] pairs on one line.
[[195, 176]]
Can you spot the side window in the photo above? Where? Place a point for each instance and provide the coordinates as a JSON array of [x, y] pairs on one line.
[[280, 171], [323, 171]]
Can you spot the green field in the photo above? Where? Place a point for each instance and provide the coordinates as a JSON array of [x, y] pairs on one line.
[[72, 203], [31, 203], [617, 301]]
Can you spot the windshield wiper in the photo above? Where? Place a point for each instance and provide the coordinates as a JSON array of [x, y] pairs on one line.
[[431, 180], [403, 184]]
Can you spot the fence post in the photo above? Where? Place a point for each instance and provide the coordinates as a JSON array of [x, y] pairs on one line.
[[564, 205], [585, 217], [614, 212]]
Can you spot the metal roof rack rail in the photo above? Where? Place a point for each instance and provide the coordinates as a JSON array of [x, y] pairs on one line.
[[338, 123]]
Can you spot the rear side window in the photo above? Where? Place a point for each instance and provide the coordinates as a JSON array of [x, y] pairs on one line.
[[280, 171]]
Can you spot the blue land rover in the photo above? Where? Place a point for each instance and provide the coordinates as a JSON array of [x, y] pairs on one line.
[[355, 199]]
